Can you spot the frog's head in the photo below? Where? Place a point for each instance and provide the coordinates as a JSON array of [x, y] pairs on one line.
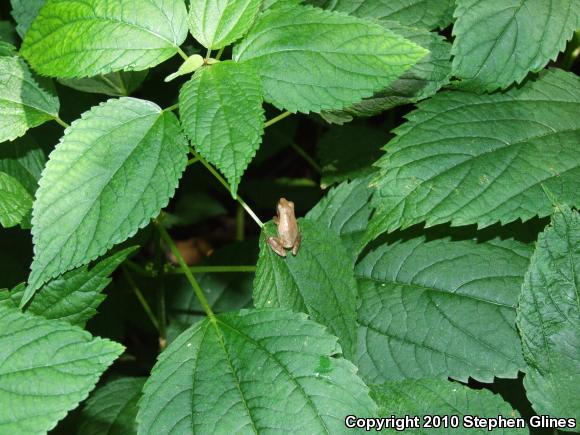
[[285, 205]]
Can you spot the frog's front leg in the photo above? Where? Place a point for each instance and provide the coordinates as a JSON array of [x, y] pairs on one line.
[[277, 246], [296, 244]]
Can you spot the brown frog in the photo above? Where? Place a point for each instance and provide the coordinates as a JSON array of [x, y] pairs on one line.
[[288, 232]]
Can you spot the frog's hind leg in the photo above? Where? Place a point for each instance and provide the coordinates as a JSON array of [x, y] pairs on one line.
[[277, 246], [297, 244]]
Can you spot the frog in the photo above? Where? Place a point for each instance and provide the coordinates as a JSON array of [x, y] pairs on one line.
[[288, 233]]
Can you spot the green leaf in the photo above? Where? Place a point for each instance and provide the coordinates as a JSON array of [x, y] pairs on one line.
[[221, 112], [74, 296], [24, 12], [440, 309], [111, 173], [421, 397], [465, 158], [24, 103], [112, 408], [353, 58], [7, 49], [346, 211], [82, 38], [427, 14], [117, 84], [499, 42], [190, 65], [348, 152], [318, 281], [266, 4], [15, 201], [46, 368], [423, 80], [252, 371], [24, 160], [218, 23], [549, 318], [8, 33]]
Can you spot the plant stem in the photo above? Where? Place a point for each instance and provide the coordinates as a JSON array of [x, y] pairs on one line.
[[192, 161], [185, 268], [61, 122], [182, 53], [219, 54], [161, 309], [240, 223], [141, 298], [306, 157], [276, 119], [171, 108], [134, 267], [216, 269], [224, 183]]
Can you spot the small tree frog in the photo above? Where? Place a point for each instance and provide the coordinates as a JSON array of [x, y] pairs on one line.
[[288, 233]]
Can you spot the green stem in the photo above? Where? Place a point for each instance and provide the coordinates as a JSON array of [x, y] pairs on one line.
[[218, 269], [185, 268], [224, 183], [171, 108], [134, 267], [61, 122], [192, 161], [276, 119], [182, 53], [161, 309], [141, 298], [306, 157], [240, 223], [219, 54]]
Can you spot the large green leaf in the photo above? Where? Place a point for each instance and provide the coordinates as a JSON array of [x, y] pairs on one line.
[[112, 408], [439, 397], [424, 79], [74, 296], [351, 58], [440, 309], [46, 368], [318, 281], [252, 371], [217, 23], [427, 14], [497, 42], [24, 12], [113, 170], [465, 158], [549, 318], [24, 102], [346, 210], [117, 84], [81, 38], [15, 201], [221, 112]]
